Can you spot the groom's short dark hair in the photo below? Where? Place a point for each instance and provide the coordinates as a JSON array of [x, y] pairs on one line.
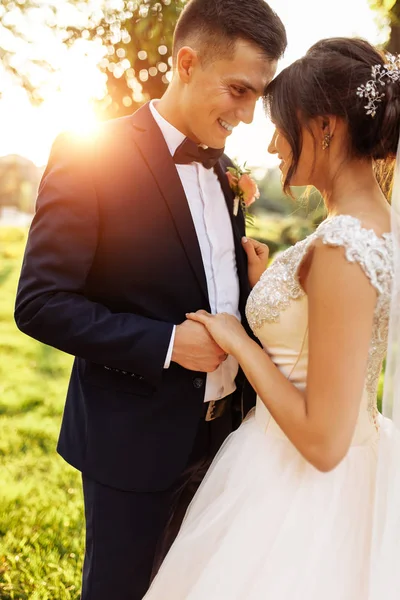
[[214, 26]]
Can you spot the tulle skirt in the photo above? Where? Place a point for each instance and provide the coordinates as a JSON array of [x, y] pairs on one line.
[[266, 525]]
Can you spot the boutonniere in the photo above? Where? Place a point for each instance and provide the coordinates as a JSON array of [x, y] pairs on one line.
[[245, 189]]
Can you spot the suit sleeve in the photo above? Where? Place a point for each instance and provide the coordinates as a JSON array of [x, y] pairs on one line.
[[51, 305]]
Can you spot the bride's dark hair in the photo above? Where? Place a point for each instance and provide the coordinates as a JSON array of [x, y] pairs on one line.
[[324, 82]]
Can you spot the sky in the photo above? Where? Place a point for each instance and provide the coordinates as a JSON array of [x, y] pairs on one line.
[[30, 131]]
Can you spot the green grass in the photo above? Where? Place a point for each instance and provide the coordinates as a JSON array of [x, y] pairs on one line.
[[41, 509]]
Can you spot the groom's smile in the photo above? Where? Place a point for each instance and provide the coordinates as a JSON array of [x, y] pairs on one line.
[[225, 125]]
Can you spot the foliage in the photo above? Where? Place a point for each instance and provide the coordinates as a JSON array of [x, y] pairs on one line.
[[14, 39], [138, 37], [19, 182], [385, 5], [389, 10], [24, 25], [41, 516], [306, 202], [136, 33]]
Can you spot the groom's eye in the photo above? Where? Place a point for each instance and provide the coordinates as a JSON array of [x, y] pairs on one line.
[[237, 90]]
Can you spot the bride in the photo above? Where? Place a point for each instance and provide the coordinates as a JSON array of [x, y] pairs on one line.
[[286, 510]]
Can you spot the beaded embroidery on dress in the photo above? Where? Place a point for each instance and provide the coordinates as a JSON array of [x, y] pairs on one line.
[[265, 524], [279, 285]]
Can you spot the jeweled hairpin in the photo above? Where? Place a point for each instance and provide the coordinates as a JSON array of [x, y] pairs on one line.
[[381, 74]]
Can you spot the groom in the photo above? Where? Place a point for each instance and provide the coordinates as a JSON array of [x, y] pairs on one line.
[[133, 230]]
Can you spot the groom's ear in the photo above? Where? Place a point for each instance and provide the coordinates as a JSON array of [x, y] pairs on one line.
[[186, 62]]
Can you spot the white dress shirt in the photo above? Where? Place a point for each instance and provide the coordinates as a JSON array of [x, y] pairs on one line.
[[214, 233]]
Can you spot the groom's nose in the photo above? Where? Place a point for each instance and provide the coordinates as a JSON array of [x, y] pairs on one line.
[[245, 112]]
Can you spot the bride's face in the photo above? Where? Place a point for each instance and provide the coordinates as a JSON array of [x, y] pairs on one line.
[[311, 161], [280, 146]]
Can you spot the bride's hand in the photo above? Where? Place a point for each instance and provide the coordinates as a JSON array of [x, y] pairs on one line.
[[257, 258], [226, 330]]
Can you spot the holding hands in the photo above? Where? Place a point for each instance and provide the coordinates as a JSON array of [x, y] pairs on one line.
[[204, 341], [226, 330], [195, 349]]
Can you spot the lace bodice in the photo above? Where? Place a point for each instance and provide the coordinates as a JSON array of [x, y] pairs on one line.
[[277, 307]]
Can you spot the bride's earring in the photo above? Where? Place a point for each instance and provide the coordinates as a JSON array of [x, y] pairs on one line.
[[326, 142]]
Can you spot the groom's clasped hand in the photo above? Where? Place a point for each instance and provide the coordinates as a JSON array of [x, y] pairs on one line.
[[195, 349]]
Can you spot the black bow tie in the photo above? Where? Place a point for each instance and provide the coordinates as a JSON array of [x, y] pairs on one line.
[[189, 152]]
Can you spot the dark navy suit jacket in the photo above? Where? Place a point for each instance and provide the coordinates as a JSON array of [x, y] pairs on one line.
[[112, 263]]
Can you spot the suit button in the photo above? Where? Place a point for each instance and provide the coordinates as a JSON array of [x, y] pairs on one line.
[[198, 383]]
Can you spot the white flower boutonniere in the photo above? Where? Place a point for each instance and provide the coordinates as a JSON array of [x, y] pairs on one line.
[[245, 189]]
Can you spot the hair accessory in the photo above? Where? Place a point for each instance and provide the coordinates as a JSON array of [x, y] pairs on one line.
[[381, 74]]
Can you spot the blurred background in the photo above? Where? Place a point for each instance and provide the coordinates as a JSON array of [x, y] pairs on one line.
[[66, 65]]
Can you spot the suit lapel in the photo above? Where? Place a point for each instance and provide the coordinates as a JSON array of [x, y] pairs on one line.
[[152, 146], [241, 259]]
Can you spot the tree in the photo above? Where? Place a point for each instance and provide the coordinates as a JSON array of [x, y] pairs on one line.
[[138, 37], [16, 39], [390, 12], [30, 31]]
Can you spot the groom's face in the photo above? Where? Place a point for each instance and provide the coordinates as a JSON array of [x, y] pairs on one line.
[[219, 96]]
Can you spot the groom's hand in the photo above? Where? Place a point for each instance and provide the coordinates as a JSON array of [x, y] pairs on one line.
[[194, 348]]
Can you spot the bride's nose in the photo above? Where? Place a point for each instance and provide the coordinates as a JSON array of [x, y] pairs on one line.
[[272, 147]]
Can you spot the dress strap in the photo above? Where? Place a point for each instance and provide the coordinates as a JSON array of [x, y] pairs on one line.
[[373, 253]]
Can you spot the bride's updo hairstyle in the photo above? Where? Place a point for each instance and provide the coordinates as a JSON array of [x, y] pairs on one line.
[[324, 82]]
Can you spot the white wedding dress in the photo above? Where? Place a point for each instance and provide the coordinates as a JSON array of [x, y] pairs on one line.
[[265, 524]]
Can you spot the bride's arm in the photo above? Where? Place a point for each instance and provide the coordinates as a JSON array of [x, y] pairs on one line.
[[321, 421]]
